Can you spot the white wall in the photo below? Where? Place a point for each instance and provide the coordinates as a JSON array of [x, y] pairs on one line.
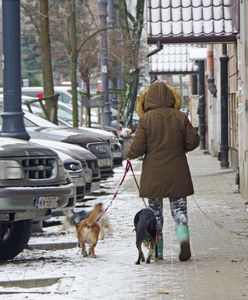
[[243, 100], [214, 110]]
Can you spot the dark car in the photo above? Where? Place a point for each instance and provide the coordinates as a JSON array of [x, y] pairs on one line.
[[76, 174], [40, 128], [88, 160], [32, 183], [65, 120]]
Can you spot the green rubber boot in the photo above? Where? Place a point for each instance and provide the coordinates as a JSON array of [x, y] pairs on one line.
[[182, 233], [160, 249]]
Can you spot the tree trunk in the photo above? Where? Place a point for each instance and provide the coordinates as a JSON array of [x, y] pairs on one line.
[[48, 85], [88, 110], [131, 95], [73, 57]]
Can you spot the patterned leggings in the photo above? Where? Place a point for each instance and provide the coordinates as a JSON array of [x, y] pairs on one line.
[[178, 208]]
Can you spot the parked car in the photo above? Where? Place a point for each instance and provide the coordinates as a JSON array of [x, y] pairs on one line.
[[88, 160], [65, 119], [32, 183], [37, 92], [41, 128], [77, 176]]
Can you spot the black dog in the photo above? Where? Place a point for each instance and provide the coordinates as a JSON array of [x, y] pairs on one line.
[[145, 224]]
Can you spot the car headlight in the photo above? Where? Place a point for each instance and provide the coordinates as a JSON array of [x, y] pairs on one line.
[[10, 169], [73, 167], [114, 139]]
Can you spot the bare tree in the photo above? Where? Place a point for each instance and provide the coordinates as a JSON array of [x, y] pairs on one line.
[[40, 21], [48, 85], [75, 25], [88, 52], [131, 27]]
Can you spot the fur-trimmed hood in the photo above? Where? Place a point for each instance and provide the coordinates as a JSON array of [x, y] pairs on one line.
[[158, 94]]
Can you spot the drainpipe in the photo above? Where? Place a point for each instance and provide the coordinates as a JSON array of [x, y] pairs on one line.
[[201, 105], [194, 84], [223, 155], [12, 115]]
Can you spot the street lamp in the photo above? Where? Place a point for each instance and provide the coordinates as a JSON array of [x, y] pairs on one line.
[[13, 122]]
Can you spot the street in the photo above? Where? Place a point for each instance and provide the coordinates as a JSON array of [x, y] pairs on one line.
[[217, 270]]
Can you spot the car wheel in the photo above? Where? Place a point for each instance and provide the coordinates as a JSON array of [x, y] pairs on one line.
[[14, 237]]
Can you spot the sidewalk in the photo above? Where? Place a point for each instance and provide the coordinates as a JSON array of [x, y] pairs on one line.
[[218, 269], [219, 239]]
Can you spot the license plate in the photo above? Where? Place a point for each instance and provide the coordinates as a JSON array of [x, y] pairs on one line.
[[95, 186], [101, 149], [116, 154], [78, 181], [104, 162], [88, 176], [47, 202]]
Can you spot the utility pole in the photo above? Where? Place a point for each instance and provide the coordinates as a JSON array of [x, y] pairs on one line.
[[103, 13], [12, 115]]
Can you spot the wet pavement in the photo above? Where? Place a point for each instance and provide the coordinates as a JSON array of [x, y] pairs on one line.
[[218, 268]]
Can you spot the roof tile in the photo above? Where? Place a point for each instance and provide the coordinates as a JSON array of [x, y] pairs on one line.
[[172, 59], [191, 19]]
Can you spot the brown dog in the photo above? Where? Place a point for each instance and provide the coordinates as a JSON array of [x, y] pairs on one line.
[[88, 230]]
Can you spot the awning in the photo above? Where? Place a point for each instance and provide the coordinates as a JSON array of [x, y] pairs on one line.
[[172, 59], [192, 21]]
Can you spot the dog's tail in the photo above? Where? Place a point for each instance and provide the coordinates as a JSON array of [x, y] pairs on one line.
[[79, 216], [73, 218]]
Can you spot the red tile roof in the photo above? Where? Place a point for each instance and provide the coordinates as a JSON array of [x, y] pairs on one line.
[[176, 21]]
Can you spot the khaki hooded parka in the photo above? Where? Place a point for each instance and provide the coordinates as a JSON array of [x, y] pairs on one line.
[[163, 136]]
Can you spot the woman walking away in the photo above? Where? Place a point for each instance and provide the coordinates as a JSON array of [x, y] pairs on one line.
[[163, 136]]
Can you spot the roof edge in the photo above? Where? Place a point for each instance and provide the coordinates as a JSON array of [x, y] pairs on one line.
[[192, 39], [172, 72]]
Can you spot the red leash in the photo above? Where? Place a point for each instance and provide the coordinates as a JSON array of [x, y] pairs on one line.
[[135, 179], [128, 167]]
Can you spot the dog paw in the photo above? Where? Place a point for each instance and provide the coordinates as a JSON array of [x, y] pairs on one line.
[[137, 263], [84, 253]]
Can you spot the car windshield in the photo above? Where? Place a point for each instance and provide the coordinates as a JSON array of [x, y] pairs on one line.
[[38, 121], [64, 112]]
